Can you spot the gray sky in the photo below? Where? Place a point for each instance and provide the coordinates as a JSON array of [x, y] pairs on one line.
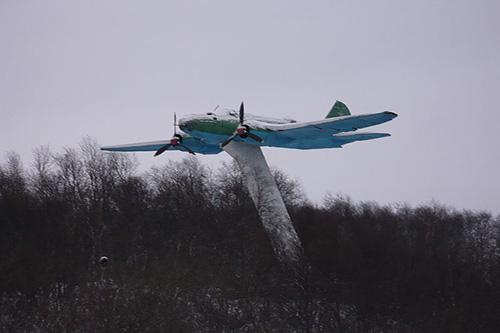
[[117, 70]]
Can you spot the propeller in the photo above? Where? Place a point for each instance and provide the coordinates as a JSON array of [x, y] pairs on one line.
[[175, 142], [243, 131]]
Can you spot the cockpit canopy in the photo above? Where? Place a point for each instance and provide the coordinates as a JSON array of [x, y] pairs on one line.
[[224, 113]]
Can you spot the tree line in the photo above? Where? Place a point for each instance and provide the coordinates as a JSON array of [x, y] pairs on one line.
[[187, 253]]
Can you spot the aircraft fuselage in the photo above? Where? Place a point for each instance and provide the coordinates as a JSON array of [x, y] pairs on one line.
[[218, 127]]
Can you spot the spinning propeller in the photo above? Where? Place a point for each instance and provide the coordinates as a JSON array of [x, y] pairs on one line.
[[175, 142], [243, 131]]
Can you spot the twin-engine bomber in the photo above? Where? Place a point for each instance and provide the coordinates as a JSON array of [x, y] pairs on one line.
[[209, 133]]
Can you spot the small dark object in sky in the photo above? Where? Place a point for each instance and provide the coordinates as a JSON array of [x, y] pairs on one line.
[[103, 261]]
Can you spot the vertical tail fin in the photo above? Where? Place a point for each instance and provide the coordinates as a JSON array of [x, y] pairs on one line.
[[338, 109]]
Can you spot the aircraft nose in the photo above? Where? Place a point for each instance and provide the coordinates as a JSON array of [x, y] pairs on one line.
[[183, 125]]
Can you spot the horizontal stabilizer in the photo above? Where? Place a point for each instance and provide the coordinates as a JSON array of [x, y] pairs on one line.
[[358, 136], [333, 141]]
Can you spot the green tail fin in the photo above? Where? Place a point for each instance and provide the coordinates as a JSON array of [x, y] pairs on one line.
[[338, 109]]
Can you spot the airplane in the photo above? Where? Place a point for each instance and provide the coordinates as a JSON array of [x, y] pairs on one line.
[[209, 133]]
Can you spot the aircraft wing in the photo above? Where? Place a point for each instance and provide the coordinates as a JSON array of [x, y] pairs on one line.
[[327, 127], [196, 145]]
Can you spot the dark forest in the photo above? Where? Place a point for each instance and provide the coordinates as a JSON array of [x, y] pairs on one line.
[[187, 253]]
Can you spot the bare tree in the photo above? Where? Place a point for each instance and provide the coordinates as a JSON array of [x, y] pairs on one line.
[[12, 175]]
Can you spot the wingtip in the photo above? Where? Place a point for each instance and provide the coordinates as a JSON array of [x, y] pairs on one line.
[[391, 113]]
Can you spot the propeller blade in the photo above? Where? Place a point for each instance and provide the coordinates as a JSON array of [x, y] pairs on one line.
[[162, 149], [175, 142], [242, 113], [188, 149], [255, 137], [228, 140], [175, 124]]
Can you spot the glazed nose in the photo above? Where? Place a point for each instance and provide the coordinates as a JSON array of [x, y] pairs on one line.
[[183, 125], [188, 124]]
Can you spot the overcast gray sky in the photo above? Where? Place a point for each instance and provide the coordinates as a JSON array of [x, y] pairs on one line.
[[117, 70]]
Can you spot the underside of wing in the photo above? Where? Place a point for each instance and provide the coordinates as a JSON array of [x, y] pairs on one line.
[[328, 127], [196, 145], [331, 141], [142, 146]]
